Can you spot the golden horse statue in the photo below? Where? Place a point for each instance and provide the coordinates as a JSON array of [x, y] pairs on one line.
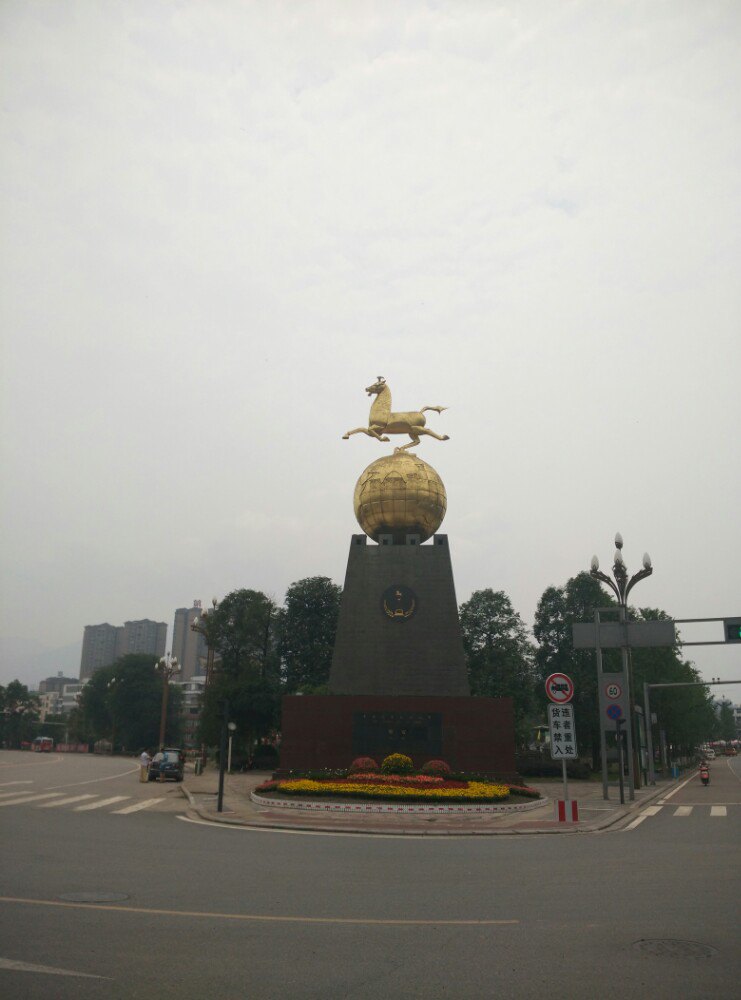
[[382, 421]]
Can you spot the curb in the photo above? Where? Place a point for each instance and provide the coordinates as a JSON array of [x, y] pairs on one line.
[[597, 826]]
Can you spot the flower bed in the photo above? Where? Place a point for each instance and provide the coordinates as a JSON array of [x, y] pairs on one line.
[[403, 789]]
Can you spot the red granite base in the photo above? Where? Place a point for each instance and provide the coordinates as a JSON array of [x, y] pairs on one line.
[[475, 734]]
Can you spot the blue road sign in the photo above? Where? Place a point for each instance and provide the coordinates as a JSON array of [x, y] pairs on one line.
[[614, 712]]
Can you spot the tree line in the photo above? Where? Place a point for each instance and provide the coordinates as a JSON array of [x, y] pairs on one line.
[[265, 651]]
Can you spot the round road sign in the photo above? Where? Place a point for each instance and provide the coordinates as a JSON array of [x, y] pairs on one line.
[[559, 688], [613, 691], [614, 712]]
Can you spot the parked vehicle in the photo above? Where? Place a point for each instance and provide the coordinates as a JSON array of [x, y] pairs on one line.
[[43, 744], [168, 764]]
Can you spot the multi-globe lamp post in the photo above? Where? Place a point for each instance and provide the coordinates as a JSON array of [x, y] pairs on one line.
[[621, 586], [168, 665], [201, 624]]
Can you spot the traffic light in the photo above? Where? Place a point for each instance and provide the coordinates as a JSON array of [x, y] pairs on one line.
[[732, 629]]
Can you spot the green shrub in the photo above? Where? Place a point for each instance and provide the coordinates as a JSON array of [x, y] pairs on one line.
[[397, 763]]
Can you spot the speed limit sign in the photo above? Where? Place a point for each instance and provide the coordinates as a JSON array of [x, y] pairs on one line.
[[613, 691]]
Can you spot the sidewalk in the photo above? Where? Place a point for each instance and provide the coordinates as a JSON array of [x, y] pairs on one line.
[[594, 812]]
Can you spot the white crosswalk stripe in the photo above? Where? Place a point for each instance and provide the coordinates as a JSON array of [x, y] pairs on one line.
[[65, 802], [30, 798], [139, 805], [88, 801], [100, 805], [683, 810], [718, 811], [5, 784]]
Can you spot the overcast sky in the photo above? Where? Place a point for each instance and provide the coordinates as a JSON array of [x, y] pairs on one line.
[[222, 220]]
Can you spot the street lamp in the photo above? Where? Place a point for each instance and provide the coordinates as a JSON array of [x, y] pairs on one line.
[[232, 727], [621, 586], [168, 665], [111, 686], [201, 625]]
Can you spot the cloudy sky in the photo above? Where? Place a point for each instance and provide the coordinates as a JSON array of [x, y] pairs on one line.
[[221, 220]]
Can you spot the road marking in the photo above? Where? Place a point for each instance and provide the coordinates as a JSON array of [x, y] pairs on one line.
[[4, 784], [718, 811], [258, 917], [683, 810], [648, 811], [139, 805], [665, 799], [65, 802], [15, 793], [30, 798], [92, 781], [49, 970], [103, 802]]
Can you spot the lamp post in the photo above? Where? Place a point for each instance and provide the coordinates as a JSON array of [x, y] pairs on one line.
[[111, 688], [201, 624], [621, 586], [232, 727], [168, 665]]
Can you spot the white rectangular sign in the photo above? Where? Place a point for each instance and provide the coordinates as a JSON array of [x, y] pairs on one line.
[[563, 732]]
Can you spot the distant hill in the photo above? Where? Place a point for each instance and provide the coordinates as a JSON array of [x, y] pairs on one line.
[[28, 661]]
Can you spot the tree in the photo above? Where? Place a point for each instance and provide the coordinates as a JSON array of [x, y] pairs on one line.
[[242, 633], [499, 655], [558, 609], [122, 703], [307, 628], [19, 709], [684, 713], [726, 723]]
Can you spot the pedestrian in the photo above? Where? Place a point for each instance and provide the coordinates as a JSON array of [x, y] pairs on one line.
[[144, 761]]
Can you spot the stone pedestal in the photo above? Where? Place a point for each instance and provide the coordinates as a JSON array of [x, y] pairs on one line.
[[398, 631], [329, 731]]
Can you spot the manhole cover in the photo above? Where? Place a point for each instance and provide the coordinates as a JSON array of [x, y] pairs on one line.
[[93, 897], [671, 948]]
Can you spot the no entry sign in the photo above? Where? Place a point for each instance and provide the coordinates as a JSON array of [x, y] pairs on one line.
[[559, 688]]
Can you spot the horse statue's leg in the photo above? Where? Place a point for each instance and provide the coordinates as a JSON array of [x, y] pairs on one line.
[[410, 444], [365, 430], [426, 430]]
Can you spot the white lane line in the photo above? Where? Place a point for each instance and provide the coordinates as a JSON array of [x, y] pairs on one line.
[[103, 802], [65, 802], [139, 805], [665, 799], [5, 784], [683, 810], [648, 811], [13, 966], [16, 793], [92, 781], [718, 811], [30, 798]]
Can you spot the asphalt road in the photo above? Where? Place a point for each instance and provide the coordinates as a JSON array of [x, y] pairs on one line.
[[208, 911]]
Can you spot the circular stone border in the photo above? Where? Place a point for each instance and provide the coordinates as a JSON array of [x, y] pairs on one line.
[[431, 808]]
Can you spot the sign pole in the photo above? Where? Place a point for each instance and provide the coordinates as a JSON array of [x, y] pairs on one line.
[[618, 724], [602, 734], [565, 782], [629, 723]]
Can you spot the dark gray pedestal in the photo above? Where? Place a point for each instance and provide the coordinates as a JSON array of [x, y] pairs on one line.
[[398, 632]]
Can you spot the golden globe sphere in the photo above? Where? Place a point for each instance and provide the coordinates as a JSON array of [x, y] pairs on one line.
[[400, 495]]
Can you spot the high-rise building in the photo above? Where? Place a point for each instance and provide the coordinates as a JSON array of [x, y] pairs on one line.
[[104, 644], [144, 636], [98, 648], [187, 645]]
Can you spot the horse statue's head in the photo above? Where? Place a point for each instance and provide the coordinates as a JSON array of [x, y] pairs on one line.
[[378, 386]]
